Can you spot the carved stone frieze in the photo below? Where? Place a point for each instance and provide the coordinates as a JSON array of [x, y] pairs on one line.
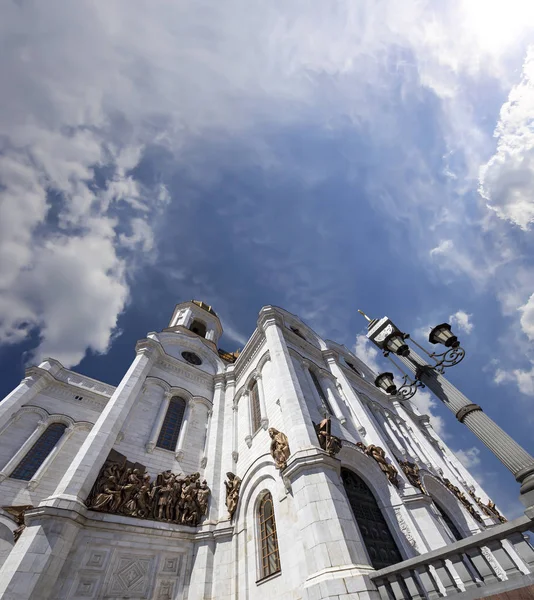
[[124, 488], [378, 454], [411, 470], [405, 529], [279, 448], [232, 485], [463, 499], [328, 442], [489, 509]]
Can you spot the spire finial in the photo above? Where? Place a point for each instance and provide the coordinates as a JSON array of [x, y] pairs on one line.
[[364, 315]]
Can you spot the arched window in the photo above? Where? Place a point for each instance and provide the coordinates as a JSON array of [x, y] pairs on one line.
[[168, 435], [375, 532], [255, 407], [448, 521], [351, 366], [320, 391], [297, 332], [37, 454], [198, 327], [269, 556]]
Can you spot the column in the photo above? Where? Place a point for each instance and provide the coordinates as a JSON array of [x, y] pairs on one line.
[[165, 398], [204, 459], [79, 478], [296, 417], [34, 482], [23, 450], [506, 449], [329, 388], [225, 458], [247, 409], [214, 452], [235, 439], [179, 450], [318, 400], [263, 406]]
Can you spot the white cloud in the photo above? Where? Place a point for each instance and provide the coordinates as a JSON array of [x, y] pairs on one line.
[[426, 404], [367, 352], [523, 378], [469, 458], [507, 179], [527, 318], [462, 320], [89, 85]]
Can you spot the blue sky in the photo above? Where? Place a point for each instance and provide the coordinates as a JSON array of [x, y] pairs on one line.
[[375, 155]]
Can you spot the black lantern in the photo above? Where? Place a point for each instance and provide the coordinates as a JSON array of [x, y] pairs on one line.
[[385, 382], [442, 334], [395, 343]]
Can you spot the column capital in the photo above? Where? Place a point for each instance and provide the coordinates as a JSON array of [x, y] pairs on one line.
[[268, 316], [148, 347], [219, 380], [37, 376], [330, 355]]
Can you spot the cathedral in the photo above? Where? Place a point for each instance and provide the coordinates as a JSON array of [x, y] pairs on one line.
[[280, 471]]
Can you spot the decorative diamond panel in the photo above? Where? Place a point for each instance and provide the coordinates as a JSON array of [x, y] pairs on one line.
[[131, 577], [171, 565]]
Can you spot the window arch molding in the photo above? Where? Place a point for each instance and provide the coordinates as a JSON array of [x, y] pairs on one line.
[[70, 426], [462, 520]]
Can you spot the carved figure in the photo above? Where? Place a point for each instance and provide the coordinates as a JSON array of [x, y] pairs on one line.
[[489, 509], [18, 513], [388, 469], [232, 492], [203, 496], [463, 499], [124, 488], [279, 448], [328, 442], [411, 470]]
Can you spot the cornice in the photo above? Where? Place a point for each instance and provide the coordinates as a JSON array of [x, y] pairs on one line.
[[251, 350], [182, 369]]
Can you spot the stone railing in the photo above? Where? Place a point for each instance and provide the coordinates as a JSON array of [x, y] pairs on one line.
[[494, 561]]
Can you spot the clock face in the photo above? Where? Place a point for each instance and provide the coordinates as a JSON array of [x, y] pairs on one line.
[[192, 358]]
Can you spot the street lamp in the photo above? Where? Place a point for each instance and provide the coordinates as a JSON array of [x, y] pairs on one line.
[[429, 372]]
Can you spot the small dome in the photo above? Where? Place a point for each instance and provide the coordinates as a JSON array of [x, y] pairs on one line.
[[204, 306]]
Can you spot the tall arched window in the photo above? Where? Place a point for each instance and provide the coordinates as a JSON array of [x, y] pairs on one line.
[[375, 532], [269, 556], [37, 454], [168, 435], [255, 407], [448, 521], [198, 327], [321, 393]]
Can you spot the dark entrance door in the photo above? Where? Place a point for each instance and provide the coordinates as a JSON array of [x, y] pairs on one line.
[[375, 531]]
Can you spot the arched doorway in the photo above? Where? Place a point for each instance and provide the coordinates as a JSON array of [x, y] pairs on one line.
[[375, 532]]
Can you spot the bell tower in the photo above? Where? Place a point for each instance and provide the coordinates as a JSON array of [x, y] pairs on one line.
[[199, 318]]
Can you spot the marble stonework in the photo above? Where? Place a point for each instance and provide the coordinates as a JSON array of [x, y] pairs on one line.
[[78, 543]]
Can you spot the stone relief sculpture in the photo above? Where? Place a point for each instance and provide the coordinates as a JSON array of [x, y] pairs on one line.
[[233, 486], [18, 513], [328, 442], [463, 499], [123, 488], [411, 470], [279, 448], [388, 469], [489, 509]]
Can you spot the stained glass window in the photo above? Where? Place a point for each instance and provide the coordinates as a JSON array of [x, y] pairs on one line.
[[321, 393], [255, 407], [37, 454], [270, 557], [168, 435]]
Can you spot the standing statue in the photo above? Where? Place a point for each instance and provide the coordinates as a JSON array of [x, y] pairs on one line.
[[411, 470], [388, 469], [232, 492], [328, 442], [203, 496], [279, 448]]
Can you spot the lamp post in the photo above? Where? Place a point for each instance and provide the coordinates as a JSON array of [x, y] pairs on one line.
[[428, 372]]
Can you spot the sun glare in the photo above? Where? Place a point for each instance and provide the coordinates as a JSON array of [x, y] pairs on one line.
[[497, 24]]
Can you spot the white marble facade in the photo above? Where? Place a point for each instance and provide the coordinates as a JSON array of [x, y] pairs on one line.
[[69, 552]]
